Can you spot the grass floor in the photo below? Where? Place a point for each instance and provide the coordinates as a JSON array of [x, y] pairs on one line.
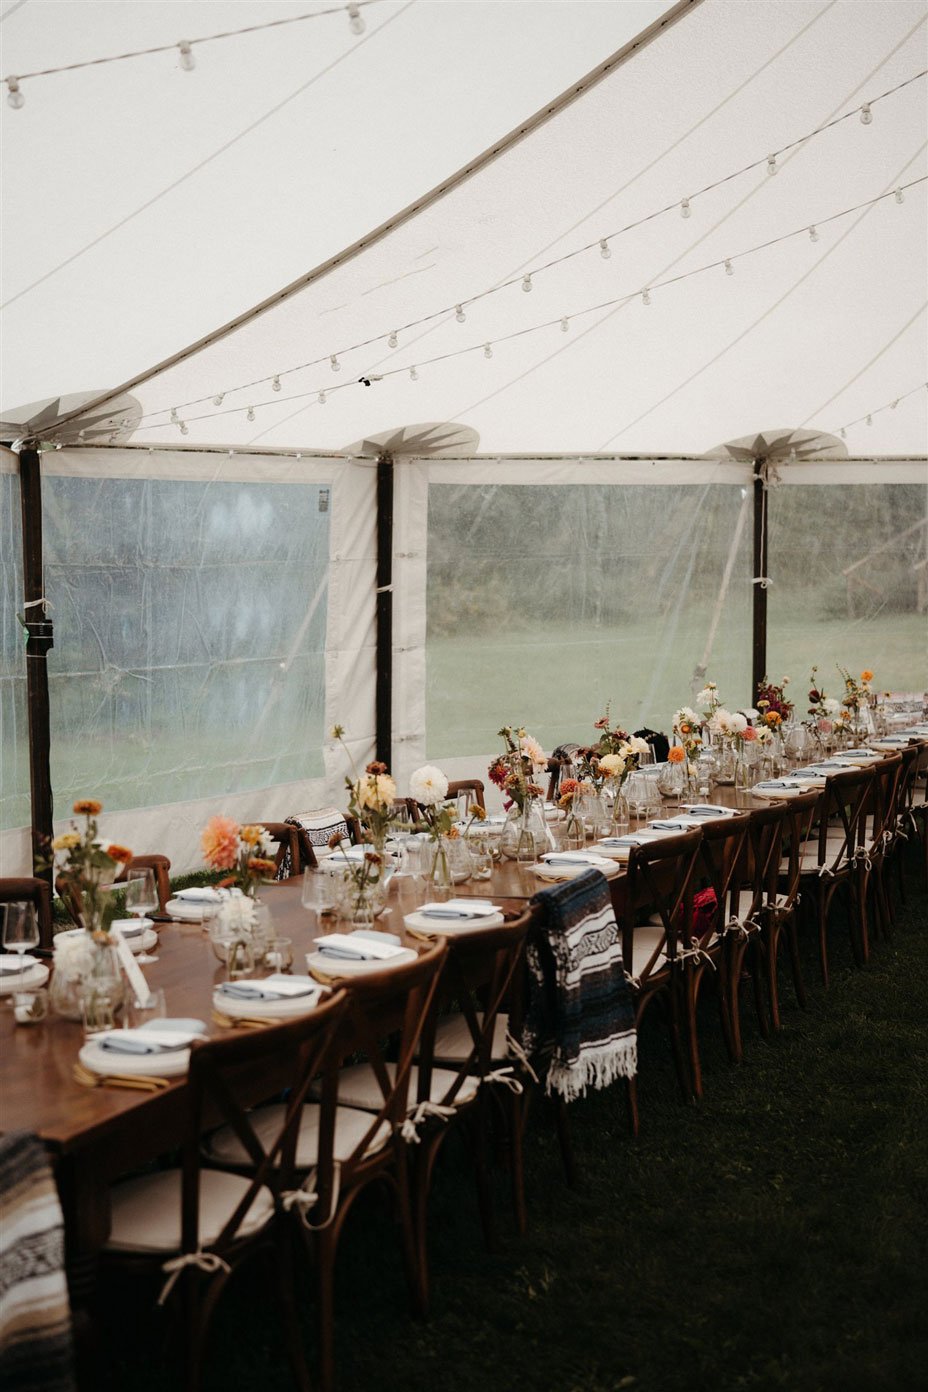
[[772, 1238]]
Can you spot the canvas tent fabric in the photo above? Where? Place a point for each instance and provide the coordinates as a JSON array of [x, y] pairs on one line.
[[230, 182]]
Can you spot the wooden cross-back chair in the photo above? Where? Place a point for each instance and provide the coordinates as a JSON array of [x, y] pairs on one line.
[[750, 933], [881, 840], [31, 890], [159, 865], [660, 881], [798, 847], [198, 1223], [912, 825], [840, 858]]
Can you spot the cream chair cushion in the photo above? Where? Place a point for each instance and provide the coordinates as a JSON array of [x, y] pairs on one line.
[[146, 1211], [453, 1039], [357, 1087], [266, 1122]]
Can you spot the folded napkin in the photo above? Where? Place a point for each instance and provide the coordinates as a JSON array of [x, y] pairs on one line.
[[200, 894], [12, 962], [155, 1037], [131, 927], [460, 908], [707, 809], [621, 841], [594, 862], [779, 783], [276, 987], [360, 947], [677, 824]]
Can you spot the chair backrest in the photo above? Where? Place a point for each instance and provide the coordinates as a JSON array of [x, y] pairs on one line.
[[660, 880], [842, 822], [721, 855], [759, 867], [468, 785], [882, 806], [221, 1085], [160, 867], [798, 847], [290, 852], [479, 976], [29, 890]]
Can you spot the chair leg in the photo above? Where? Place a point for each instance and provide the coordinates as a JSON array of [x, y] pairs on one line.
[[631, 1103], [691, 987], [792, 941], [769, 945], [517, 1115], [676, 1045], [324, 1254], [563, 1136], [286, 1287]]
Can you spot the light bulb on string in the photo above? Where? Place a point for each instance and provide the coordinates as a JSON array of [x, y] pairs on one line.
[[250, 413], [527, 283], [219, 398], [459, 314], [899, 196], [321, 398], [355, 20], [413, 375], [392, 341], [866, 115], [729, 268], [275, 382], [334, 364], [14, 96], [604, 249], [488, 350], [174, 416], [565, 324], [183, 428], [843, 433], [685, 209], [813, 234], [646, 297], [869, 420], [894, 404], [187, 60], [772, 164]]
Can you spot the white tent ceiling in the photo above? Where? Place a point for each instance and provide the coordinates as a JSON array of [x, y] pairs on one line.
[[143, 206]]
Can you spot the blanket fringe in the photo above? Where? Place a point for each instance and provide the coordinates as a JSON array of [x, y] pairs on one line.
[[596, 1068]]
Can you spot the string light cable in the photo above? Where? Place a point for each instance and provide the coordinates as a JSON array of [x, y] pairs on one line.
[[370, 377], [185, 46], [867, 417], [526, 281]]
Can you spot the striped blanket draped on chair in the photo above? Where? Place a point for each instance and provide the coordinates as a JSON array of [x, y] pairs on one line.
[[581, 1007], [35, 1318]]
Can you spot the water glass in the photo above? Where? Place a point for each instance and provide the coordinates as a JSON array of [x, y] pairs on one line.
[[30, 1007], [481, 857], [139, 1011], [279, 955], [97, 1012], [20, 930], [319, 891], [141, 896]]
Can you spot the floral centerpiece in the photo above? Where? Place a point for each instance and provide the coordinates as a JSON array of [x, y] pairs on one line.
[[822, 709], [858, 698], [86, 966], [708, 700], [773, 707], [372, 802], [429, 787], [686, 727], [525, 834], [244, 853]]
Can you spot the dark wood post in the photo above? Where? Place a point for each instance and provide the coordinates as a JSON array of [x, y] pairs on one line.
[[40, 639], [384, 694], [759, 622]]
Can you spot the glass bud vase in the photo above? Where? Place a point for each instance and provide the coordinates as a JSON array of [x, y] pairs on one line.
[[618, 813], [96, 976], [440, 870], [525, 836]]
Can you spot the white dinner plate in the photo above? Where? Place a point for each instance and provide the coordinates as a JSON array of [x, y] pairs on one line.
[[30, 980], [346, 966], [425, 923], [142, 942], [190, 910], [171, 1064], [286, 1009], [779, 794], [557, 874]]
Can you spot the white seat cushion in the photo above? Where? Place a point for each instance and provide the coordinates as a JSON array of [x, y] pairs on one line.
[[646, 939], [350, 1128], [746, 898], [453, 1040], [146, 1211], [357, 1087]]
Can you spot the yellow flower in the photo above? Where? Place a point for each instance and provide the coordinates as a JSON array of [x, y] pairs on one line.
[[67, 841], [251, 835]]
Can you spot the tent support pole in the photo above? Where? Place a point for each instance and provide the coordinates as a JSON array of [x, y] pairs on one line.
[[39, 639], [384, 690], [759, 620]]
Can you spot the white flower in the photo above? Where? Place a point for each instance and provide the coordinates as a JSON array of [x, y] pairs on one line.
[[428, 786], [236, 915], [750, 713], [266, 846], [639, 745], [721, 722], [764, 735], [739, 723], [533, 750], [830, 705], [612, 765], [708, 698], [74, 956], [685, 716]]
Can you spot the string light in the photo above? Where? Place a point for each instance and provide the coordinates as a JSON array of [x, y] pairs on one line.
[[729, 268], [527, 284], [563, 321], [899, 196], [187, 61], [183, 428], [894, 404], [869, 420], [488, 350], [866, 115], [321, 398], [604, 249], [334, 364], [459, 314], [887, 406], [174, 416], [772, 164], [275, 382], [843, 433], [813, 234], [392, 341], [355, 20], [685, 210], [413, 375], [219, 398], [250, 413], [14, 96]]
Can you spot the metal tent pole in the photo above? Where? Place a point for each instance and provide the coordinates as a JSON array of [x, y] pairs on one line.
[[39, 639], [384, 689], [759, 620]]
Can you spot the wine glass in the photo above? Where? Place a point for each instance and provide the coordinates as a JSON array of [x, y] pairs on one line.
[[141, 898], [318, 891], [20, 932]]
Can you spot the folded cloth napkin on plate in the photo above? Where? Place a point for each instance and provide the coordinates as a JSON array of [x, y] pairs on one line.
[[270, 988], [460, 908], [200, 894], [572, 858], [360, 947], [707, 809], [676, 824], [621, 841], [579, 1001], [11, 963], [131, 927], [778, 783], [155, 1037]]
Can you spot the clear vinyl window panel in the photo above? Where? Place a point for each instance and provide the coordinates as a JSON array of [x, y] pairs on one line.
[[547, 602], [850, 584], [190, 623], [14, 734]]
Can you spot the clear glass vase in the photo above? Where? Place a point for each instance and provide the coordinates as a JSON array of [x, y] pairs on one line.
[[526, 836], [95, 976]]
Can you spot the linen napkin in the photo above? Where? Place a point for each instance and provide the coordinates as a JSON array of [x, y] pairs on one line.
[[676, 824], [270, 988], [154, 1037], [10, 963], [132, 927], [460, 908], [572, 858], [708, 809], [200, 894], [359, 947]]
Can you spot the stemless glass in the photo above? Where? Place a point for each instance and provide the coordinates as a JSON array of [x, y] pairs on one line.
[[20, 932], [318, 891], [141, 898]]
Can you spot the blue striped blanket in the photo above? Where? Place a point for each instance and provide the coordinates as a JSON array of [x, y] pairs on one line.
[[579, 1003]]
